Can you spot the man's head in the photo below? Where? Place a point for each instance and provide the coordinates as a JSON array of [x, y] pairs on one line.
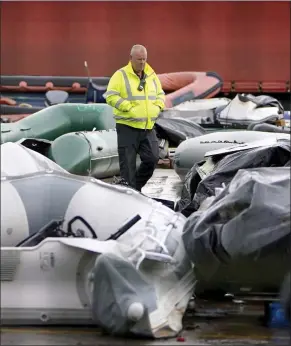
[[138, 57]]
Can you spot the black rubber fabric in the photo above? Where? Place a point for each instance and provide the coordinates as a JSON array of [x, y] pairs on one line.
[[286, 296]]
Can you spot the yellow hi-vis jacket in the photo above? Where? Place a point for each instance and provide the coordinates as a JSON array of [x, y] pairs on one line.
[[132, 107]]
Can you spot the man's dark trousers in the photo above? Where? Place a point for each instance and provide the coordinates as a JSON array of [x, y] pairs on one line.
[[132, 141]]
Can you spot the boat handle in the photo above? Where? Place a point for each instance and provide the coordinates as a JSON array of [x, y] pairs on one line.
[[25, 129]]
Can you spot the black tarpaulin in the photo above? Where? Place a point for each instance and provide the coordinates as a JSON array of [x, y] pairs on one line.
[[176, 130]]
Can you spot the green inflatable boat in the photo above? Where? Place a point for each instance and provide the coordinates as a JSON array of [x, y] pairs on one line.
[[87, 153], [55, 121]]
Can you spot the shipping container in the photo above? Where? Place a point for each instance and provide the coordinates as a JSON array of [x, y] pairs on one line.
[[247, 43]]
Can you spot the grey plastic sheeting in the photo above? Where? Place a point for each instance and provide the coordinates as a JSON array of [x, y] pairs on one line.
[[243, 238], [176, 130], [195, 190]]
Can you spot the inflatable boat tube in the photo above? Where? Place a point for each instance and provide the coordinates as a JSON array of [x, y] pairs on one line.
[[128, 228], [245, 109], [11, 110], [6, 101], [270, 128], [87, 153], [99, 284], [199, 111], [17, 160], [266, 142], [13, 118], [40, 197], [193, 150], [57, 120], [199, 105], [189, 86]]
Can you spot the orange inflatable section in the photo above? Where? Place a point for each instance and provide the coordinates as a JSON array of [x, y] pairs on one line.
[[7, 101], [188, 86]]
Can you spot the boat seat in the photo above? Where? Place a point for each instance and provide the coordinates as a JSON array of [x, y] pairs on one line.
[[55, 97]]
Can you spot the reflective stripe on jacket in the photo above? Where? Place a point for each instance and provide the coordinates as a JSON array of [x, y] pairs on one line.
[[132, 107]]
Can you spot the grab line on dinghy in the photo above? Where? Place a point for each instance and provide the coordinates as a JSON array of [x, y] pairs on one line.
[[125, 227]]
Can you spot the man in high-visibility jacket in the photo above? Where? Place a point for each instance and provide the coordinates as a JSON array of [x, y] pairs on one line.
[[136, 94]]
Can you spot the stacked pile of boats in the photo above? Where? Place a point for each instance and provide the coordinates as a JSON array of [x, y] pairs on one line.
[[75, 249], [82, 139], [178, 86]]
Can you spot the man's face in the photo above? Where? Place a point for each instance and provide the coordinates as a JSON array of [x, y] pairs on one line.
[[138, 60]]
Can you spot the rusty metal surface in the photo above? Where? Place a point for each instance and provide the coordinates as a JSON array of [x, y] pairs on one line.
[[211, 326]]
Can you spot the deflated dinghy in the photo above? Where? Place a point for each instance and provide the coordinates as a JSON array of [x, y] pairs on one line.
[[242, 240], [19, 160], [87, 153], [66, 281], [193, 150], [268, 128], [189, 86], [220, 166], [54, 121], [176, 130], [199, 105], [38, 198], [197, 111], [245, 109]]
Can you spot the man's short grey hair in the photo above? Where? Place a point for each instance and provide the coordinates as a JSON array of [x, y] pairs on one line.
[[137, 47]]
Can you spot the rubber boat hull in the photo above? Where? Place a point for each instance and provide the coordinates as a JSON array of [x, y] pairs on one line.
[[193, 150], [13, 110], [17, 160], [11, 114], [246, 109], [57, 120], [72, 281], [84, 153], [13, 118], [231, 244], [64, 280], [7, 101], [192, 86], [199, 105], [40, 197]]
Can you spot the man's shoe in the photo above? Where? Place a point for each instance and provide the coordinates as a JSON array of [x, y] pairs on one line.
[[119, 181]]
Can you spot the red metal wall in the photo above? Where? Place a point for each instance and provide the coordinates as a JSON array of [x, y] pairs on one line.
[[239, 40]]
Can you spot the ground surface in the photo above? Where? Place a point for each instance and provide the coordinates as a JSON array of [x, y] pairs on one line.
[[209, 328]]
